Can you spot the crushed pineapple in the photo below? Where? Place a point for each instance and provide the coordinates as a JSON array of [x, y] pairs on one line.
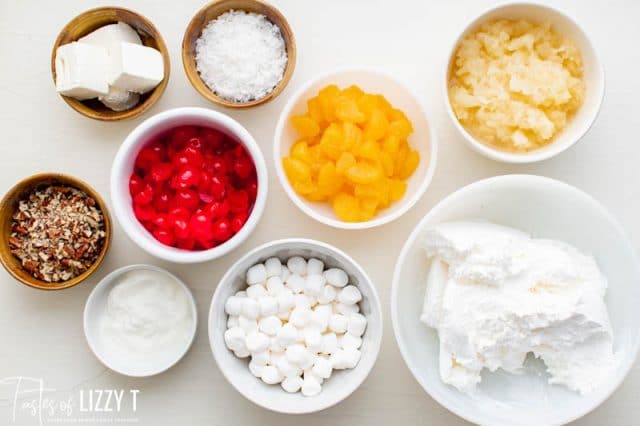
[[352, 153], [514, 84]]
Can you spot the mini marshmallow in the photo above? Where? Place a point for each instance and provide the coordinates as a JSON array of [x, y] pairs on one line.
[[247, 325], [319, 318], [242, 352], [295, 283], [324, 311], [346, 310], [313, 284], [313, 340], [338, 323], [256, 368], [234, 338], [330, 343], [273, 267], [302, 301], [250, 308], [311, 386], [315, 266], [268, 305], [348, 340], [285, 300], [256, 291], [292, 384], [270, 325], [233, 306], [300, 317], [357, 324], [309, 373], [322, 368], [285, 273], [241, 294], [287, 335], [336, 277], [271, 375], [352, 357], [284, 315], [327, 294], [261, 358], [232, 321], [338, 360], [299, 356], [297, 265], [349, 295], [274, 345], [313, 300], [257, 274], [257, 342], [275, 286], [287, 368]]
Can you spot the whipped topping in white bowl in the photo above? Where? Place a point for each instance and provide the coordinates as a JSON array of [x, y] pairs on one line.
[[519, 391]]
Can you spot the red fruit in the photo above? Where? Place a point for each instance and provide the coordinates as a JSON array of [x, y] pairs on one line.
[[238, 221], [161, 172], [195, 144], [162, 200], [144, 213], [136, 183], [178, 213], [187, 177], [200, 226], [212, 138], [159, 149], [181, 135], [238, 200], [180, 160], [186, 198], [252, 190], [221, 230], [161, 221], [218, 187], [217, 209], [144, 196], [146, 158], [186, 243], [164, 236], [194, 155], [181, 229]]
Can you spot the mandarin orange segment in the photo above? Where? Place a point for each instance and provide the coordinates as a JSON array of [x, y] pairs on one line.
[[410, 164], [352, 136], [300, 150], [376, 126], [329, 181], [315, 109], [296, 170], [369, 150], [347, 110], [397, 188], [332, 141], [352, 92], [345, 161], [327, 98], [306, 126], [346, 207], [363, 172]]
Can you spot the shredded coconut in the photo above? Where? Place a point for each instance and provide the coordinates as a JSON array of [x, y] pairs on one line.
[[241, 56]]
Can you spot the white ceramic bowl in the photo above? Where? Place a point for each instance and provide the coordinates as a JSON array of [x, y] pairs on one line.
[[545, 208], [341, 383], [123, 167], [580, 123], [422, 139], [152, 364]]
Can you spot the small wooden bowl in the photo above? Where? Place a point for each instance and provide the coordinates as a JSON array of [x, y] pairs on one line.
[[93, 19], [8, 207], [212, 11]]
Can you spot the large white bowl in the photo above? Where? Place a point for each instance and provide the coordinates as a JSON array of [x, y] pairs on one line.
[[581, 122], [154, 363], [545, 208], [123, 167], [422, 139], [341, 383]]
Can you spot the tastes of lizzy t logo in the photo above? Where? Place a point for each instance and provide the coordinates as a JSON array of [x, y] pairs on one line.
[[27, 401]]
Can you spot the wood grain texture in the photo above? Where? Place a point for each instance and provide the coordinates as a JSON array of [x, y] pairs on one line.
[[8, 207], [93, 19], [212, 11]]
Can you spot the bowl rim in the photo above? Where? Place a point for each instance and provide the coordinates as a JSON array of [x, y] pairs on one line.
[[74, 182], [133, 230], [410, 202], [306, 243], [417, 230], [154, 95], [108, 279], [535, 155], [194, 76]]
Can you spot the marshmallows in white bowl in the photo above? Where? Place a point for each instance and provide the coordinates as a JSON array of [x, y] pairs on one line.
[[297, 322]]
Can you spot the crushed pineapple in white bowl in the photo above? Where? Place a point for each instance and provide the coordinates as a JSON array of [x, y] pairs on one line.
[[523, 83]]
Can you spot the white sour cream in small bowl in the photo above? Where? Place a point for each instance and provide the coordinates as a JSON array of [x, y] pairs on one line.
[[543, 208]]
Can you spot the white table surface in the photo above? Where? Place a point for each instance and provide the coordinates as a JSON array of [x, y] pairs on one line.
[[41, 333]]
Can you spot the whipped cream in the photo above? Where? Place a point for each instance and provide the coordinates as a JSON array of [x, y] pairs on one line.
[[495, 294]]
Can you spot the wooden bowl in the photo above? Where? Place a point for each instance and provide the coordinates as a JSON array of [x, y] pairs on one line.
[[93, 19], [8, 207], [212, 11]]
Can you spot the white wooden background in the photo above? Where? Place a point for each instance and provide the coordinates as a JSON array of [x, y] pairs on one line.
[[41, 333]]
